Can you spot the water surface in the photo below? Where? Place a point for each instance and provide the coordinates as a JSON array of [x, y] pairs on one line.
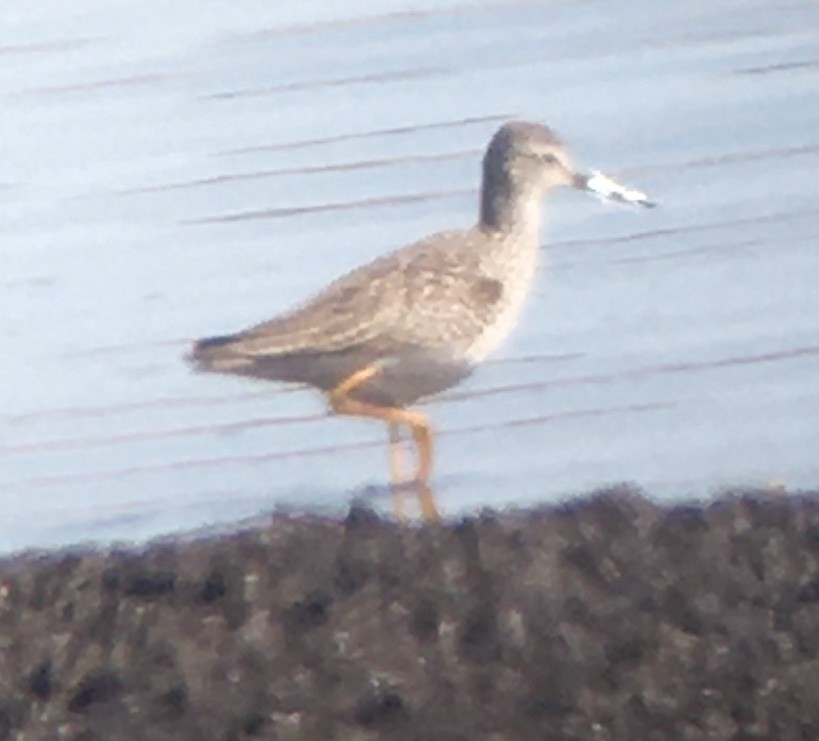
[[174, 172]]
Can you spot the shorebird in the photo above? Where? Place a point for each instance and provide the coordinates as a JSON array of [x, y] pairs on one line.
[[417, 321]]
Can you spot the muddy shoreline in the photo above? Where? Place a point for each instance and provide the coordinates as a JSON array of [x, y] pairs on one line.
[[609, 617]]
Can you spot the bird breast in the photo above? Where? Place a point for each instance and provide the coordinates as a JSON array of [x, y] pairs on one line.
[[515, 271]]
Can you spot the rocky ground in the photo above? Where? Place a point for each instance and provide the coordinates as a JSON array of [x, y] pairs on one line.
[[606, 618]]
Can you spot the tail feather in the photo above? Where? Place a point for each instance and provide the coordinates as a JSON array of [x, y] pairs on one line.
[[224, 354], [217, 354]]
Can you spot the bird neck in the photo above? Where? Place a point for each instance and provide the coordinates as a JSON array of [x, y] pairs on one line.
[[508, 207]]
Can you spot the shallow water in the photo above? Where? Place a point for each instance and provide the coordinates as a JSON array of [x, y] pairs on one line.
[[169, 177]]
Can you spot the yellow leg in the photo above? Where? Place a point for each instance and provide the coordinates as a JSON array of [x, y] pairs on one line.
[[354, 380], [418, 426], [397, 471], [428, 507], [341, 403]]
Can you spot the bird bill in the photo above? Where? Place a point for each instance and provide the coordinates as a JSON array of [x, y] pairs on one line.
[[610, 190]]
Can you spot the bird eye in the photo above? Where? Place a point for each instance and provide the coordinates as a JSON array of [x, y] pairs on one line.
[[548, 158]]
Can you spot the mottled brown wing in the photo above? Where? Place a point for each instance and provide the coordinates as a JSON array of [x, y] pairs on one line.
[[429, 294], [348, 312], [447, 300]]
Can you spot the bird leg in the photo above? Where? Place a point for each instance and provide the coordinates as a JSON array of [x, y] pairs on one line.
[[427, 502], [341, 403], [354, 380], [428, 507], [397, 470]]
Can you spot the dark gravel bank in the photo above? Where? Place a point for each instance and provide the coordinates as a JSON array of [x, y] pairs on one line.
[[608, 618]]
